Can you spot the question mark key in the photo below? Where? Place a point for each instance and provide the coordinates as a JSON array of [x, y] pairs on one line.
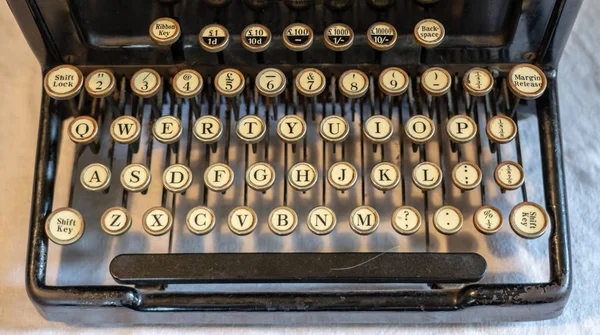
[[406, 220]]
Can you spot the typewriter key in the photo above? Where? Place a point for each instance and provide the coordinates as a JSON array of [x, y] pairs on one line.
[[478, 82], [353, 84], [146, 83], [501, 129], [83, 130], [214, 38], [310, 82], [270, 82], [321, 220], [64, 226], [378, 129], [382, 36], [177, 178], [208, 129], [299, 5], [135, 178], [230, 83], [256, 37], [125, 129], [334, 129], [200, 220], [342, 176], [385, 176], [63, 82], [419, 129], [157, 221], [291, 128], [260, 176], [466, 176], [364, 220], [283, 220], [527, 81], [95, 177], [167, 129], [448, 220], [488, 220], [242, 220], [509, 175], [429, 33], [251, 129], [302, 176], [338, 37], [218, 177], [436, 81], [406, 220], [100, 83], [165, 31], [393, 81], [298, 36], [187, 83], [529, 220], [427, 176], [115, 221], [461, 129]]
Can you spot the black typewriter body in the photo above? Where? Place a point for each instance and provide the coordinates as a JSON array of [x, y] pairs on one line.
[[263, 278]]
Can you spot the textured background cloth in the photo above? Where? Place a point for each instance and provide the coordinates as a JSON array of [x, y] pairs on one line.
[[579, 87]]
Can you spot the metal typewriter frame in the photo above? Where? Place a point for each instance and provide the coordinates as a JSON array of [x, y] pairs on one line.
[[471, 303]]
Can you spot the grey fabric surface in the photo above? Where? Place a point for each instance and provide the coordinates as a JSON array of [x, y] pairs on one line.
[[579, 75]]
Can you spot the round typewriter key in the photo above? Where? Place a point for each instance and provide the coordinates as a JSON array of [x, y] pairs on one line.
[[115, 221], [299, 5], [478, 82], [419, 129], [95, 177], [177, 178], [509, 175], [302, 176], [200, 220], [208, 129], [64, 226], [167, 129], [270, 82], [157, 221], [310, 82], [218, 177], [382, 36], [321, 220], [165, 31], [436, 81], [251, 129], [466, 176], [339, 5], [291, 128], [406, 220], [427, 176], [260, 176], [342, 176], [354, 84], [63, 82], [334, 129], [100, 83], [448, 220], [146, 83], [135, 178], [283, 220], [338, 37], [488, 220], [214, 38], [527, 81], [364, 220], [378, 129], [230, 83], [501, 129], [125, 129], [393, 81], [385, 176], [187, 83], [83, 130], [242, 220], [529, 220], [256, 37], [461, 129], [298, 36], [429, 33]]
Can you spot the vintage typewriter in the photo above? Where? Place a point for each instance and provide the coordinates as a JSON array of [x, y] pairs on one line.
[[298, 161]]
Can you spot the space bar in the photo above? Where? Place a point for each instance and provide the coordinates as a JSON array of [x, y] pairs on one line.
[[159, 269]]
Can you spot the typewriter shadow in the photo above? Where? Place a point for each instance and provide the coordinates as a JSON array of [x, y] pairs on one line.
[[498, 247]]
